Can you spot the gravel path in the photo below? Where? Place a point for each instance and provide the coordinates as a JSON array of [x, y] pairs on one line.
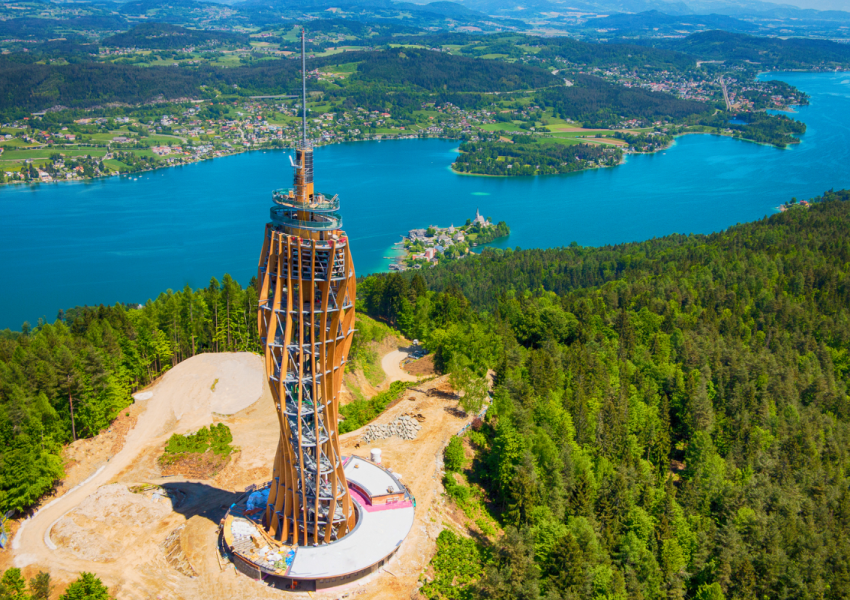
[[391, 364]]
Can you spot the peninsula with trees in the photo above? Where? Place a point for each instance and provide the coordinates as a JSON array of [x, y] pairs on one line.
[[526, 155], [425, 247]]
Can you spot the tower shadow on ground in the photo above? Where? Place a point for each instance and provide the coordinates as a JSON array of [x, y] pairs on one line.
[[202, 500]]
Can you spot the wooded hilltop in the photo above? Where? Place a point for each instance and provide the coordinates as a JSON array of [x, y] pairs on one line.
[[671, 417], [670, 420]]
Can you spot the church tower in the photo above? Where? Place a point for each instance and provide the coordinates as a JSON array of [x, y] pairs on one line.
[[306, 324]]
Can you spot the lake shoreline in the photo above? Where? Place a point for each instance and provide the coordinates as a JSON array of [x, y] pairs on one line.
[[395, 138], [206, 159], [627, 152], [128, 239]]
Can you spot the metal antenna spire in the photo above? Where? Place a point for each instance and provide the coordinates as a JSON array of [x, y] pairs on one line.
[[303, 91]]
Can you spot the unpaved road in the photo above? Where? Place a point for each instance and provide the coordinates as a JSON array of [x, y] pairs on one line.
[[391, 364], [419, 461]]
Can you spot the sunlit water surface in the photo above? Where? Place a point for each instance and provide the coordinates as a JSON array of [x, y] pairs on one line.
[[127, 239]]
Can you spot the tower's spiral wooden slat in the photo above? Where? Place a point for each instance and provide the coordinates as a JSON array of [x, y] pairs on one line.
[[306, 324]]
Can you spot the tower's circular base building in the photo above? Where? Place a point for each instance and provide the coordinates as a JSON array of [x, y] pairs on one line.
[[384, 509]]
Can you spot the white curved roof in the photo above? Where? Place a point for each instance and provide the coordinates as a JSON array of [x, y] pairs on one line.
[[370, 477], [376, 536]]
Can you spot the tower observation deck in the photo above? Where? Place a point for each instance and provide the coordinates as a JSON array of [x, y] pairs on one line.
[[306, 324]]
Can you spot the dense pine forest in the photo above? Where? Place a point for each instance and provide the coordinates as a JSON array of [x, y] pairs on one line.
[[671, 418]]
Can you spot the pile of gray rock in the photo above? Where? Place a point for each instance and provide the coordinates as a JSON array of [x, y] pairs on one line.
[[405, 427]]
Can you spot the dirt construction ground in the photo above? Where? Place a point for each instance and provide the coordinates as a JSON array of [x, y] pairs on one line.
[[149, 542]]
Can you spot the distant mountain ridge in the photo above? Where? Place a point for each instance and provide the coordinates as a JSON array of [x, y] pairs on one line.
[[654, 19], [790, 53], [736, 8], [162, 36]]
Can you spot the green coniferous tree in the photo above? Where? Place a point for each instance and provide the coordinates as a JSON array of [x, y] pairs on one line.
[[41, 586], [86, 587]]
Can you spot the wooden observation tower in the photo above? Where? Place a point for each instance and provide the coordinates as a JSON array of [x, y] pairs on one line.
[[306, 323]]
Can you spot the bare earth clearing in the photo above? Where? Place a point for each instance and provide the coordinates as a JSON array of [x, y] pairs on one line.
[[159, 542], [421, 367]]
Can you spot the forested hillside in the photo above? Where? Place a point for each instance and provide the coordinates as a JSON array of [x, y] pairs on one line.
[[434, 71], [598, 103], [164, 36], [89, 361], [629, 55], [29, 85], [773, 52], [671, 418], [402, 78], [26, 86]]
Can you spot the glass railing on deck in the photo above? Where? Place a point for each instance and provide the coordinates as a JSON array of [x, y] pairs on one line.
[[320, 222], [319, 202]]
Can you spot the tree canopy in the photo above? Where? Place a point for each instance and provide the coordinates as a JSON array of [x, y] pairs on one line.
[[670, 418]]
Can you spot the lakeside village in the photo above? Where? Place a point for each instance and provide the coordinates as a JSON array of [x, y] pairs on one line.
[[64, 144], [33, 150], [426, 247], [744, 91]]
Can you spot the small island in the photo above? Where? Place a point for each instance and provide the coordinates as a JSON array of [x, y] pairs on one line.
[[425, 247]]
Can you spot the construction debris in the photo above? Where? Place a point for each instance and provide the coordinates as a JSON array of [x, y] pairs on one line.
[[174, 554], [249, 543], [405, 427]]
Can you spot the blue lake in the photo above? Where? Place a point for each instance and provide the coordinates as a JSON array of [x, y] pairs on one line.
[[126, 239]]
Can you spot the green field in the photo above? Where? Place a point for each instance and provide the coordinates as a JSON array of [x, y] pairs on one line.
[[103, 137], [293, 35], [115, 165], [577, 134], [164, 140], [16, 143], [142, 152], [345, 69], [506, 127], [227, 60], [566, 141], [44, 153]]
